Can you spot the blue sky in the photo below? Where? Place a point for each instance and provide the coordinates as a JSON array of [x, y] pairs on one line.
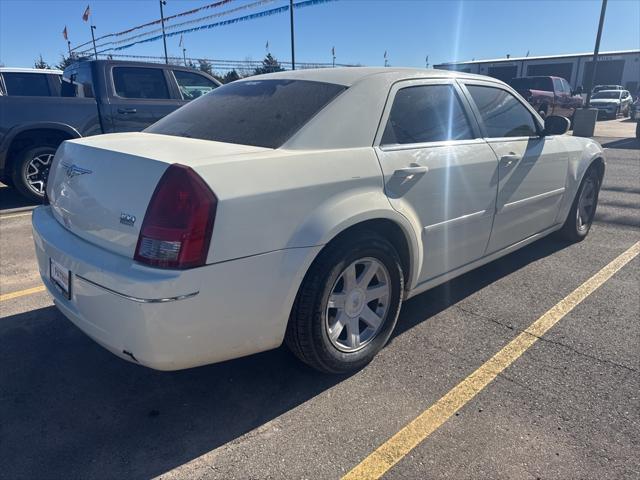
[[360, 30]]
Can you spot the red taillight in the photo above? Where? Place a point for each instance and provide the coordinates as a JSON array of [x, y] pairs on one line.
[[177, 227]]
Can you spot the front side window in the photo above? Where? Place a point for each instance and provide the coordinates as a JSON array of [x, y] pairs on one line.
[[140, 82], [502, 114], [426, 113], [26, 84], [263, 113], [193, 85]]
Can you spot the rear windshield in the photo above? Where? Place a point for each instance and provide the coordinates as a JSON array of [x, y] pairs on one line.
[[615, 94], [533, 83], [263, 113]]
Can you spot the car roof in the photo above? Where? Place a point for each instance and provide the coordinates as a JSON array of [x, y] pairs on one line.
[[617, 90], [348, 76], [30, 70]]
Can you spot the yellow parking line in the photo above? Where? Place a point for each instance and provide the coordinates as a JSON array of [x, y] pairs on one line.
[[21, 293], [15, 215], [399, 445]]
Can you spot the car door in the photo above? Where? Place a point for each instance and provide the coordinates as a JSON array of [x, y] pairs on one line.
[[438, 172], [532, 168], [141, 96]]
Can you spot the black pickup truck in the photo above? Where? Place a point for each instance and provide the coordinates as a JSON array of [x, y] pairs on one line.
[[91, 97]]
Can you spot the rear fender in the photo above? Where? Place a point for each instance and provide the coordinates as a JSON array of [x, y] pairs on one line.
[[349, 209]]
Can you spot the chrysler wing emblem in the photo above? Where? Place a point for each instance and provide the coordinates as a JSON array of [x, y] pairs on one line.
[[73, 170]]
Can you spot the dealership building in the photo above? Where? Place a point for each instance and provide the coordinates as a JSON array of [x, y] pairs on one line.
[[614, 68]]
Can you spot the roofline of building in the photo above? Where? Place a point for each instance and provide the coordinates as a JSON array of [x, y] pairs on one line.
[[541, 57]]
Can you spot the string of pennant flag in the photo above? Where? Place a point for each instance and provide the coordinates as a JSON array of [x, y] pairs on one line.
[[265, 13], [182, 24], [87, 13]]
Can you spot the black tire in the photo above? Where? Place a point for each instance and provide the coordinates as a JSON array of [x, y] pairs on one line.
[[572, 230], [21, 168], [307, 332]]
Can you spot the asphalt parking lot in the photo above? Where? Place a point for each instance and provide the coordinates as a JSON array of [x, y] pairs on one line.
[[568, 407]]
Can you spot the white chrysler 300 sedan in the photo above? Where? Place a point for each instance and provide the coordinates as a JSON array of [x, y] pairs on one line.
[[302, 206]]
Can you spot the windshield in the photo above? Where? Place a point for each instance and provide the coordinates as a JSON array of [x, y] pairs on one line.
[[532, 83], [263, 113], [615, 95]]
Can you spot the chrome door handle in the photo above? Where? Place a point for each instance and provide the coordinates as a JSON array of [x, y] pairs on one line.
[[508, 160], [410, 171]]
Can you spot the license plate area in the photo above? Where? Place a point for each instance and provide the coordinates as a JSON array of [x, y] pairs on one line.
[[61, 277]]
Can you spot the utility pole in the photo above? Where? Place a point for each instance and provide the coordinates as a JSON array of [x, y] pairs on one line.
[[184, 56], [333, 56], [164, 38], [293, 48], [594, 62], [93, 37], [69, 47], [426, 62]]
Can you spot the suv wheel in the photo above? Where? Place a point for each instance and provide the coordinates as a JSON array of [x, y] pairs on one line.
[[348, 304], [31, 170]]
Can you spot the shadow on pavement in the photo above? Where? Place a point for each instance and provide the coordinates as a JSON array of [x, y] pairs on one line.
[[623, 143], [10, 198], [69, 409]]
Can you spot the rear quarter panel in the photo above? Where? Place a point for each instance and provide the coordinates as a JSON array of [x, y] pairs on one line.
[[293, 199]]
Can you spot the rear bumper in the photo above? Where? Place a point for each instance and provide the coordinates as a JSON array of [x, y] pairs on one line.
[[168, 319]]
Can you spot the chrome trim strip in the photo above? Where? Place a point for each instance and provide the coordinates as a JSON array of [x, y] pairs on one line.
[[456, 220], [394, 147], [519, 203], [137, 299]]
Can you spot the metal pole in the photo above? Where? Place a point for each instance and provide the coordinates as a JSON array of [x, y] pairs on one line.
[[164, 38], [93, 37], [293, 49], [184, 55], [595, 55], [69, 47]]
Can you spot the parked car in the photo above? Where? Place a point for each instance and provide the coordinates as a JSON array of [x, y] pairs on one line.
[[30, 82], [599, 88], [305, 206], [611, 103], [40, 109], [549, 95]]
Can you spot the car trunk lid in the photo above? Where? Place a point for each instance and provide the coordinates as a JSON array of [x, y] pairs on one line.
[[100, 187]]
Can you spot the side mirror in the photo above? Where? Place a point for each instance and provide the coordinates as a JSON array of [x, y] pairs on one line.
[[556, 125]]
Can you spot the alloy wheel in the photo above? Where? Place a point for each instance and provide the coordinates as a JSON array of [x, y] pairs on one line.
[[586, 204], [36, 172], [358, 304]]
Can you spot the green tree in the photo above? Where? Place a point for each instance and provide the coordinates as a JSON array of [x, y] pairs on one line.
[[230, 76], [40, 63], [205, 66], [65, 62], [269, 64]]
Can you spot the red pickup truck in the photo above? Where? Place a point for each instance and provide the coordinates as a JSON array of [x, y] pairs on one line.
[[549, 95]]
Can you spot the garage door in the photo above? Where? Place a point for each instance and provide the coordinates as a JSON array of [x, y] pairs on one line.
[[562, 70], [608, 72], [503, 73]]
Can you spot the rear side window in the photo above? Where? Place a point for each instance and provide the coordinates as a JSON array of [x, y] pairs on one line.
[[426, 113], [138, 82], [26, 84], [193, 85], [502, 114], [263, 113]]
